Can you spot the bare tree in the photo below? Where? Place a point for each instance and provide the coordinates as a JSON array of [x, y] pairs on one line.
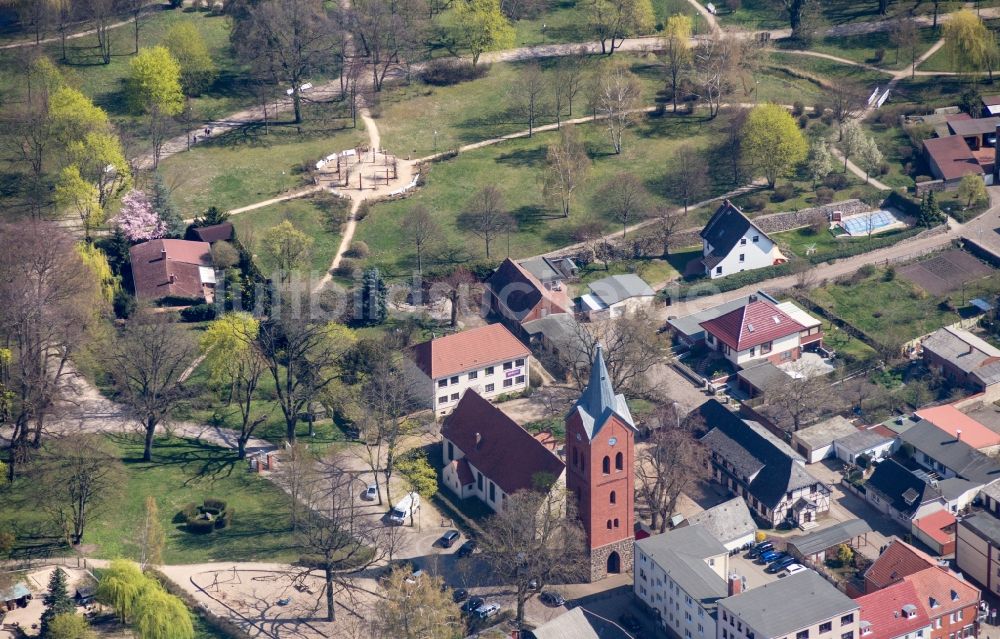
[[295, 473], [714, 67], [421, 229], [668, 222], [732, 144], [421, 610], [527, 95], [146, 361], [846, 100], [904, 34], [631, 347], [799, 398], [535, 537], [388, 32], [485, 216], [687, 175], [672, 462], [567, 82], [625, 198], [618, 100], [102, 13], [566, 166], [460, 285], [135, 9]]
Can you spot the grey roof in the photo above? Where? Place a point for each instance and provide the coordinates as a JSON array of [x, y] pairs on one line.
[[960, 348], [755, 453], [542, 269], [977, 126], [763, 376], [841, 533], [599, 401], [681, 553], [617, 288], [558, 327], [862, 441], [988, 374], [954, 487], [16, 591], [985, 525], [906, 491], [729, 521], [579, 623], [790, 604], [690, 325], [826, 432], [725, 228], [992, 491], [962, 459]]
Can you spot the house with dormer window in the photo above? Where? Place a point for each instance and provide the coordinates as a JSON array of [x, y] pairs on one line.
[[759, 331], [731, 243]]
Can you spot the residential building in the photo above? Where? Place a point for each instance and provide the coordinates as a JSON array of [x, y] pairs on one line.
[[732, 243], [962, 427], [991, 105], [901, 494], [876, 443], [754, 464], [965, 359], [173, 268], [758, 331], [558, 335], [580, 623], [815, 442], [800, 606], [952, 604], [215, 233], [600, 460], [758, 379], [937, 531], [488, 360], [517, 296], [990, 494], [687, 329], [950, 159], [681, 575], [977, 550], [894, 612], [552, 272], [614, 296], [948, 455], [816, 546], [489, 456], [898, 560], [730, 522]]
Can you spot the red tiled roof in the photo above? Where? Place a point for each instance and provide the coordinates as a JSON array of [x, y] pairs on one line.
[[952, 156], [215, 232], [883, 609], [751, 325], [933, 526], [169, 267], [462, 471], [468, 350], [497, 446], [520, 292], [884, 431], [951, 420], [948, 591], [899, 560]]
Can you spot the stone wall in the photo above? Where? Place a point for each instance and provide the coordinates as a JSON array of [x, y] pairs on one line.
[[923, 188], [599, 558]]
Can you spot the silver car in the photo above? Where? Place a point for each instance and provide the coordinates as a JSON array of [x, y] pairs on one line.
[[371, 493]]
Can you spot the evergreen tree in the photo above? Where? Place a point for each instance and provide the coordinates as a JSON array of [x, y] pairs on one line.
[[930, 212], [373, 298], [212, 216], [57, 601], [163, 205]]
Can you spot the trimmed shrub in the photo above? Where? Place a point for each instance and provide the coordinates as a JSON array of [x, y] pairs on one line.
[[189, 511], [346, 268], [827, 118], [923, 178], [200, 526], [448, 71], [783, 192], [198, 313], [866, 270], [803, 121], [798, 108], [756, 203], [225, 520], [835, 181], [824, 195], [358, 249], [363, 210], [819, 109]]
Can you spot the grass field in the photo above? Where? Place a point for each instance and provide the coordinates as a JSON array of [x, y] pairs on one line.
[[800, 241], [182, 472], [864, 48], [761, 14]]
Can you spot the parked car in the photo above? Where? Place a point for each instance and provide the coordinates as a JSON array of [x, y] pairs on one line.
[[533, 585], [467, 548], [791, 569], [762, 547], [284, 601], [487, 610], [769, 556], [551, 599], [371, 493], [460, 595], [472, 603], [414, 576], [780, 565], [449, 538]]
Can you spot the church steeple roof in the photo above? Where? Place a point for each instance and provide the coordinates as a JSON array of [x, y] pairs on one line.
[[599, 401]]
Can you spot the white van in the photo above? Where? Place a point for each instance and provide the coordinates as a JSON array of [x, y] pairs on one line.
[[402, 510]]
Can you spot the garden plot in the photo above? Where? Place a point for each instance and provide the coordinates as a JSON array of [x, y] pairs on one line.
[[945, 272]]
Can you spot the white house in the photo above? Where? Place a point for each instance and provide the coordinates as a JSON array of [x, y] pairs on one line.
[[616, 295], [758, 331], [488, 359], [489, 456], [732, 243]]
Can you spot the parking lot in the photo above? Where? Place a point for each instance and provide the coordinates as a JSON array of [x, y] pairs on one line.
[[751, 571]]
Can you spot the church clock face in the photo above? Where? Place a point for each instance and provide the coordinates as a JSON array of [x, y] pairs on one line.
[[612, 441], [578, 438]]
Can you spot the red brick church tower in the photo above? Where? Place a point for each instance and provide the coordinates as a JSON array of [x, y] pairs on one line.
[[600, 458]]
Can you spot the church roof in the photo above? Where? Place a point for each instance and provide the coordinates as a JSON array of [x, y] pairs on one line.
[[599, 401]]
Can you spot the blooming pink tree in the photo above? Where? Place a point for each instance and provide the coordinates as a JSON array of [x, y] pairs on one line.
[[137, 219]]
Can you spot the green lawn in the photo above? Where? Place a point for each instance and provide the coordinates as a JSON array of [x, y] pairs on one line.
[[761, 14], [865, 48], [849, 349], [652, 271], [182, 472], [308, 215], [829, 70], [800, 241]]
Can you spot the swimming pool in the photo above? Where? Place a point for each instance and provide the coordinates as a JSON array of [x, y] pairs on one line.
[[871, 222]]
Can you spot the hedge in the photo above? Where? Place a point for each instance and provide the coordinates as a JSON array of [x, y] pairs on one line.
[[851, 249], [903, 204], [222, 626], [705, 286], [214, 504]]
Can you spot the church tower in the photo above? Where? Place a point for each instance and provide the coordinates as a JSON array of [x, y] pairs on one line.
[[600, 473]]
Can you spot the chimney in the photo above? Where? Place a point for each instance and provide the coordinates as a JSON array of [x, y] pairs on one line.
[[163, 254], [172, 278], [958, 434], [752, 298], [735, 584], [479, 440]]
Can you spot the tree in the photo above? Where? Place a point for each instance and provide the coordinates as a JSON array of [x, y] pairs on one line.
[[852, 140], [187, 46], [930, 212], [146, 361], [101, 160], [285, 249], [687, 175], [625, 198], [847, 101], [120, 586], [566, 166], [421, 229], [798, 400], [485, 216], [668, 221], [78, 476], [137, 219], [631, 347], [160, 615], [673, 462], [69, 625], [731, 146], [82, 197], [164, 206], [481, 26], [535, 537], [154, 89], [796, 10], [57, 600], [676, 51], [845, 555], [389, 32], [213, 215], [527, 95], [618, 98], [374, 292], [971, 44], [103, 14], [288, 39], [773, 144], [152, 539], [419, 474], [614, 20], [870, 157], [567, 82], [420, 610], [905, 35], [819, 163], [972, 189], [714, 67]]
